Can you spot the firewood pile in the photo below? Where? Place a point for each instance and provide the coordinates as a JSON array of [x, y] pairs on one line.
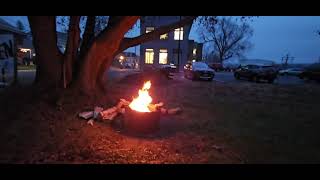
[[120, 108]]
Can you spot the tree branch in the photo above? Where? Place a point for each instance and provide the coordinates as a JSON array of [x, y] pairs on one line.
[[129, 42]]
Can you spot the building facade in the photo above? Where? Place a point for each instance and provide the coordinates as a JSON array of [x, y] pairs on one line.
[[171, 48]]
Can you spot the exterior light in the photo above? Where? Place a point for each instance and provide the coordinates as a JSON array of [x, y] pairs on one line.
[[194, 51]]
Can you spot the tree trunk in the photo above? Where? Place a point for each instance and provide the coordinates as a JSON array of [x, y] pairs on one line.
[[71, 50], [88, 35], [100, 54], [87, 39], [49, 58], [221, 57]]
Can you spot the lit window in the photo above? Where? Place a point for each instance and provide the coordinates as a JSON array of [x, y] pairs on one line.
[[194, 51], [178, 32], [149, 56], [149, 29], [163, 56], [164, 36]]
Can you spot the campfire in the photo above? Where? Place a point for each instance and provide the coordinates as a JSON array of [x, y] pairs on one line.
[[140, 115], [142, 102]]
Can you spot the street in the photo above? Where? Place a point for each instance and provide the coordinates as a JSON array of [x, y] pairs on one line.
[[26, 77], [227, 77]]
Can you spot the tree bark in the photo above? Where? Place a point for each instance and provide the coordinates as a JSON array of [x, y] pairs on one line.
[[88, 35], [100, 54], [71, 52], [49, 58]]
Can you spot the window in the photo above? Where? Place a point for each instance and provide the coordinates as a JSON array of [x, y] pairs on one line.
[[163, 56], [149, 29], [149, 56], [164, 36], [178, 32]]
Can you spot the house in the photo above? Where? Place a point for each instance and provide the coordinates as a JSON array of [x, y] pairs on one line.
[[22, 41], [24, 44], [10, 40], [171, 48], [18, 35], [6, 28]]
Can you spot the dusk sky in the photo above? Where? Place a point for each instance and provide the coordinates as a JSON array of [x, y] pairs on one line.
[[273, 37]]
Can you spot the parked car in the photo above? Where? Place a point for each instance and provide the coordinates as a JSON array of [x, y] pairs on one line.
[[291, 71], [169, 67], [168, 70], [198, 70], [256, 73], [216, 66], [311, 72]]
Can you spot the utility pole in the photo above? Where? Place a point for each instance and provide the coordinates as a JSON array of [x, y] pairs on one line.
[[179, 47]]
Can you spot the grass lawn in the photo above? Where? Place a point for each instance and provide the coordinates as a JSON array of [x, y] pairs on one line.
[[220, 123]]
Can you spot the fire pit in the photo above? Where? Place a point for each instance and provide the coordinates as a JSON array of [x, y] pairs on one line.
[[141, 122], [140, 115]]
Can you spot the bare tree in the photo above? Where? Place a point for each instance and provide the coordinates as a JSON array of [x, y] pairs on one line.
[[229, 38], [285, 59]]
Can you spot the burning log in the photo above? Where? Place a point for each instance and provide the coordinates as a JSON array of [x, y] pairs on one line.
[[125, 102], [140, 115], [90, 122], [111, 113], [122, 110], [109, 116], [174, 111], [155, 107], [171, 111], [163, 111], [96, 112]]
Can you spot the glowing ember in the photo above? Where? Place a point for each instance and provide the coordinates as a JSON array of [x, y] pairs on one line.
[[142, 102]]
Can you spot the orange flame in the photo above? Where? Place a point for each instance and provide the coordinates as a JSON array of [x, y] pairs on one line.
[[142, 102]]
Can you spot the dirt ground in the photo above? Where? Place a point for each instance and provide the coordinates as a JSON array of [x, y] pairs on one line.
[[220, 123]]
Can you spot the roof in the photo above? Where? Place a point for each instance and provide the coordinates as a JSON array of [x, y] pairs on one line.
[[4, 25]]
